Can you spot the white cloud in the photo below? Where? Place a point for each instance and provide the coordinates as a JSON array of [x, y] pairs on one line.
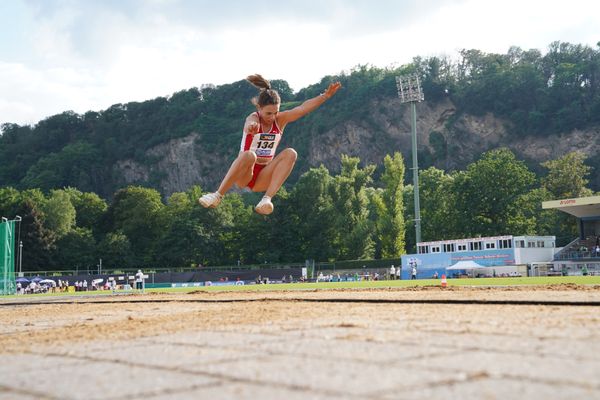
[[82, 55]]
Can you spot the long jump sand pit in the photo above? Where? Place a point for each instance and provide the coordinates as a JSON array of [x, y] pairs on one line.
[[411, 343]]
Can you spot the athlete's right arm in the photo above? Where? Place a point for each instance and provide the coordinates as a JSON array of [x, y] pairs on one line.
[[251, 124]]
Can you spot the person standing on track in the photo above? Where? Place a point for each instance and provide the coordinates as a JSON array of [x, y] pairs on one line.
[[256, 166]]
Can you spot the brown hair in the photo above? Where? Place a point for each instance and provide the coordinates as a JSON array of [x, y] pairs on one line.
[[266, 96]]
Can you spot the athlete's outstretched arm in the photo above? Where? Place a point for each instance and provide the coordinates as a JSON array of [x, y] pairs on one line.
[[251, 124], [308, 106]]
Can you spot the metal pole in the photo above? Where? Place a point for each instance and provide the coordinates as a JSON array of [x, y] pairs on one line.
[[416, 172], [19, 220], [410, 91], [20, 258]]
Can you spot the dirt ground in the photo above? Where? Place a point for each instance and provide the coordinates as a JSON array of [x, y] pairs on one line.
[[413, 343], [45, 320]]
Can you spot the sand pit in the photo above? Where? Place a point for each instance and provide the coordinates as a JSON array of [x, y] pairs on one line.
[[376, 343]]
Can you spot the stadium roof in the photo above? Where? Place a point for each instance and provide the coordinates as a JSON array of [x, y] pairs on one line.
[[581, 207]]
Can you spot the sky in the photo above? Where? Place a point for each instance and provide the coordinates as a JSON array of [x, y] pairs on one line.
[[61, 55]]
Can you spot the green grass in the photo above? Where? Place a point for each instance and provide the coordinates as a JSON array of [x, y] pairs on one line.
[[532, 281]]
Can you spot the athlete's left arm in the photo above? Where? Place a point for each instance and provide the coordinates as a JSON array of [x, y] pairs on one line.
[[285, 117]]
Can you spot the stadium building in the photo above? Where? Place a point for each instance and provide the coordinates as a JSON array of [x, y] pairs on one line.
[[482, 256], [580, 256]]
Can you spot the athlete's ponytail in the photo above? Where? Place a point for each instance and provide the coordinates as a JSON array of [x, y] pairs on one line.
[[259, 82], [267, 95]]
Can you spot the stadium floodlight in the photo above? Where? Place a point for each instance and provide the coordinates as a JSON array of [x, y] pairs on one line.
[[410, 91]]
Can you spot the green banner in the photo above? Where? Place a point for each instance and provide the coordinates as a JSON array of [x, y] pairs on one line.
[[7, 258]]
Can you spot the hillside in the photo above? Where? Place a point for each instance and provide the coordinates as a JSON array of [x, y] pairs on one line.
[[539, 106]]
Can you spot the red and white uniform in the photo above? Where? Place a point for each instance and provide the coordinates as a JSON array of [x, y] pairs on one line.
[[264, 144]]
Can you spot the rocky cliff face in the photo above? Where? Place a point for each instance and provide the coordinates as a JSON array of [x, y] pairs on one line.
[[445, 139], [177, 166]]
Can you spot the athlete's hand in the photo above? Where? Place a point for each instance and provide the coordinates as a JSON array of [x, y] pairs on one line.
[[333, 87], [252, 128]]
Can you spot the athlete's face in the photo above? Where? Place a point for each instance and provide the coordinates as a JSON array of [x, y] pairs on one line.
[[269, 112]]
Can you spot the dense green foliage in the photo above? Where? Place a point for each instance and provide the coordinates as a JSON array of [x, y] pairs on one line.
[[539, 94], [59, 173], [323, 217]]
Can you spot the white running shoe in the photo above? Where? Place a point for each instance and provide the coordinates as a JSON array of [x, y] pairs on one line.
[[264, 206], [210, 200]]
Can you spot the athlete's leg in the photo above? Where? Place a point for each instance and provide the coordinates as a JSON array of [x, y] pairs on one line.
[[240, 173], [275, 173], [272, 177]]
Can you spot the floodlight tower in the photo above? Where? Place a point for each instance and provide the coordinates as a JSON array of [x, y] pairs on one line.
[[410, 91]]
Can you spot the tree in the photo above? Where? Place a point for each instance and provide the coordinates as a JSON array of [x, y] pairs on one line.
[[389, 205], [89, 208], [310, 215], [76, 164], [115, 251], [194, 235], [352, 238], [38, 241], [59, 213], [567, 176], [488, 193], [439, 219], [10, 199], [76, 250], [136, 211]]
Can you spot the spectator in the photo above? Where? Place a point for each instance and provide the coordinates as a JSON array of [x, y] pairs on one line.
[[597, 251], [413, 274], [435, 275], [392, 272], [139, 280]]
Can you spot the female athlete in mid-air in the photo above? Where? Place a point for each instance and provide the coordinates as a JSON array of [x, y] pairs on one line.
[[256, 166]]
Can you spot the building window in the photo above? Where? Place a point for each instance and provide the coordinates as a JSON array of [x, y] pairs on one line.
[[490, 245], [423, 249], [505, 243], [520, 243], [435, 249], [530, 244], [540, 244], [461, 247], [475, 245], [449, 248]]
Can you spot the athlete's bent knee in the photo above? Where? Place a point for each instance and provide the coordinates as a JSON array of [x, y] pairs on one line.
[[290, 154], [247, 157]]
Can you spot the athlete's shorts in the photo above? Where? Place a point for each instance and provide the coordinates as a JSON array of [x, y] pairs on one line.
[[255, 171]]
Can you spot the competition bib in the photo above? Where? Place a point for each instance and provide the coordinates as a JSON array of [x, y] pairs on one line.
[[265, 144]]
